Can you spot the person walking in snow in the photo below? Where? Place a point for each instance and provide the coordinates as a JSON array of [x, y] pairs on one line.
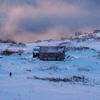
[[10, 74]]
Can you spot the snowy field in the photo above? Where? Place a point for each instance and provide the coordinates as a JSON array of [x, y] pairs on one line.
[[33, 79]]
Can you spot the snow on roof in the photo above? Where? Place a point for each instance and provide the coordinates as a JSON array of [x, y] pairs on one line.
[[52, 49], [36, 49]]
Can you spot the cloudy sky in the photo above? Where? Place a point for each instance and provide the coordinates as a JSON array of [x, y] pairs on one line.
[[31, 20]]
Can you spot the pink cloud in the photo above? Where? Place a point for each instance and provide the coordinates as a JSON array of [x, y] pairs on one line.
[[64, 17]]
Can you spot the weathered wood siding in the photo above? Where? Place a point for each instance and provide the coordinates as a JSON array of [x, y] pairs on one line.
[[52, 56]]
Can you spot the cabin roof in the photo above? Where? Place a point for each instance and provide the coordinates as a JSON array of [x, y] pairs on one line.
[[36, 49], [52, 49]]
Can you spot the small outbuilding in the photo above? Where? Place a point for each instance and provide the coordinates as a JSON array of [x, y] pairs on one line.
[[52, 53], [36, 52]]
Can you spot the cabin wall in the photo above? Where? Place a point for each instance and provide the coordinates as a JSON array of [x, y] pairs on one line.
[[52, 56]]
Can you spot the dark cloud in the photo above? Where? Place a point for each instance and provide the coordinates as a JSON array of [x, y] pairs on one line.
[[18, 2], [40, 25], [84, 2], [44, 19]]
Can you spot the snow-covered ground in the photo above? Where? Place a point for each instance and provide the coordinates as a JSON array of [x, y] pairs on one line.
[[78, 63]]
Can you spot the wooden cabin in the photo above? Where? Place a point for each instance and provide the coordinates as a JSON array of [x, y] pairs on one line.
[[52, 53]]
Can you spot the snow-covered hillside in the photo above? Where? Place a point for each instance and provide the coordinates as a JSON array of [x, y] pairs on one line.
[[75, 78]]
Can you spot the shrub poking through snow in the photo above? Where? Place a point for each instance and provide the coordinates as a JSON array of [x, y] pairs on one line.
[[78, 48], [9, 52], [21, 44], [20, 52], [54, 68], [72, 79], [8, 41], [84, 69]]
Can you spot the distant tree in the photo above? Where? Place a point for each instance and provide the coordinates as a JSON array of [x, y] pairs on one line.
[[78, 33], [63, 38]]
